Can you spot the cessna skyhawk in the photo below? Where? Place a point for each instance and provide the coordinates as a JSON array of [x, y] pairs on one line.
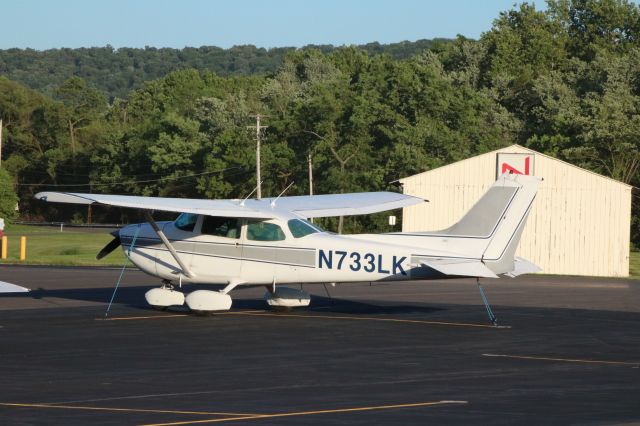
[[270, 242]]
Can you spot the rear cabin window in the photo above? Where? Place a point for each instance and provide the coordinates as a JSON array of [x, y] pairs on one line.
[[301, 228], [221, 226], [186, 221], [264, 231]]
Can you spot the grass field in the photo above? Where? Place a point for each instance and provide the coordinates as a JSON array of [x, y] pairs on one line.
[[48, 246], [634, 263]]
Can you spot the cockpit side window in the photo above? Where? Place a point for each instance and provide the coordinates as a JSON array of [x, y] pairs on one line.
[[264, 231], [228, 227], [186, 221], [301, 228]]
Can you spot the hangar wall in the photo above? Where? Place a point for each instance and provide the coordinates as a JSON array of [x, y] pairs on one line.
[[579, 224]]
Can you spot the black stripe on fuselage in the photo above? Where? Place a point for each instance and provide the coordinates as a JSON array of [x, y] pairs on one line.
[[126, 246]]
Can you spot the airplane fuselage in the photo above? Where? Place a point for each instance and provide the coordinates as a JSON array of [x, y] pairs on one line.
[[315, 258]]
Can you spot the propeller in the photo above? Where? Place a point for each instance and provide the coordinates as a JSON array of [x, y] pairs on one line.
[[113, 244]]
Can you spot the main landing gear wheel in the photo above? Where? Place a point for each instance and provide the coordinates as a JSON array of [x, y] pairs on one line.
[[207, 302]]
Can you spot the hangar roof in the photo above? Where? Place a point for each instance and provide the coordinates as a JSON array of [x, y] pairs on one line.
[[513, 149]]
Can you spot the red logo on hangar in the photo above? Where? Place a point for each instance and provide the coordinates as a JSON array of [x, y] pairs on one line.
[[518, 163]]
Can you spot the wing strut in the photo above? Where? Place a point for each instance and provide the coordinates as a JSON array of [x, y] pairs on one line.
[[167, 244]]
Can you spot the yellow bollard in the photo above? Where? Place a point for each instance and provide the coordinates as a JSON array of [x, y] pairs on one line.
[[4, 247], [23, 248]]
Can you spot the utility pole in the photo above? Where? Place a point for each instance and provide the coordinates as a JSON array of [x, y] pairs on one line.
[[0, 142], [310, 177], [258, 177]]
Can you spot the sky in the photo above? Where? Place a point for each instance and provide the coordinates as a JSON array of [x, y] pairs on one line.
[[47, 24]]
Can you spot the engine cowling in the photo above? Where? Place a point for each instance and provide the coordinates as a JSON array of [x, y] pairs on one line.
[[203, 301], [287, 298]]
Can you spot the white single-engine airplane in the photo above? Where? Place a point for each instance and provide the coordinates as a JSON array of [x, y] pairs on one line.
[[269, 242]]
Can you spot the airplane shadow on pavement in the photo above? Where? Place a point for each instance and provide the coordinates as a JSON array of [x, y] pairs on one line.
[[133, 297]]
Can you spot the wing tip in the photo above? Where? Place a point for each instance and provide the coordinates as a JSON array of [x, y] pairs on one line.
[[12, 288]]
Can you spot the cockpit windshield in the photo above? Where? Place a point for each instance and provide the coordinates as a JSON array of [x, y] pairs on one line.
[[301, 228], [186, 221], [258, 230]]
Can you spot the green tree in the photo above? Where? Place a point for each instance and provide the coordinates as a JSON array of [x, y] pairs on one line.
[[607, 139], [117, 72], [596, 24], [8, 197], [84, 105]]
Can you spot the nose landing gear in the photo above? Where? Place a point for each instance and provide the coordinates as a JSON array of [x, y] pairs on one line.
[[163, 297]]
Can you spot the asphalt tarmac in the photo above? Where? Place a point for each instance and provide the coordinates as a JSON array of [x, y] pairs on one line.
[[567, 352]]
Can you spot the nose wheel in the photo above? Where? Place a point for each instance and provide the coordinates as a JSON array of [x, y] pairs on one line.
[[161, 298]]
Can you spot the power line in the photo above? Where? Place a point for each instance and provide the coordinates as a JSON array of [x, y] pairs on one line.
[[78, 175], [93, 185]]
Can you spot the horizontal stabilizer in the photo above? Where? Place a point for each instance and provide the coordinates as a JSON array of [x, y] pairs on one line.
[[522, 266], [12, 288], [460, 267]]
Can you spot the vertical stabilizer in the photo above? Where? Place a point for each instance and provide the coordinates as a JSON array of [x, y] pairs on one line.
[[500, 251], [489, 233]]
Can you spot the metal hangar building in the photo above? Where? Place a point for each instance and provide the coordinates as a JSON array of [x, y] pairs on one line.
[[579, 224]]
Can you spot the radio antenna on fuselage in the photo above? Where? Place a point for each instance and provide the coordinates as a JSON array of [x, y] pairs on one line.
[[273, 203], [250, 194]]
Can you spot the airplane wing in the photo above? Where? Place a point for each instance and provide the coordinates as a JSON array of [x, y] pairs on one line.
[[305, 205], [460, 267], [12, 288], [346, 204], [178, 205]]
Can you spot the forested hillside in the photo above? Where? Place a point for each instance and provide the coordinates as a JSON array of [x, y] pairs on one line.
[[117, 72], [564, 81]]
